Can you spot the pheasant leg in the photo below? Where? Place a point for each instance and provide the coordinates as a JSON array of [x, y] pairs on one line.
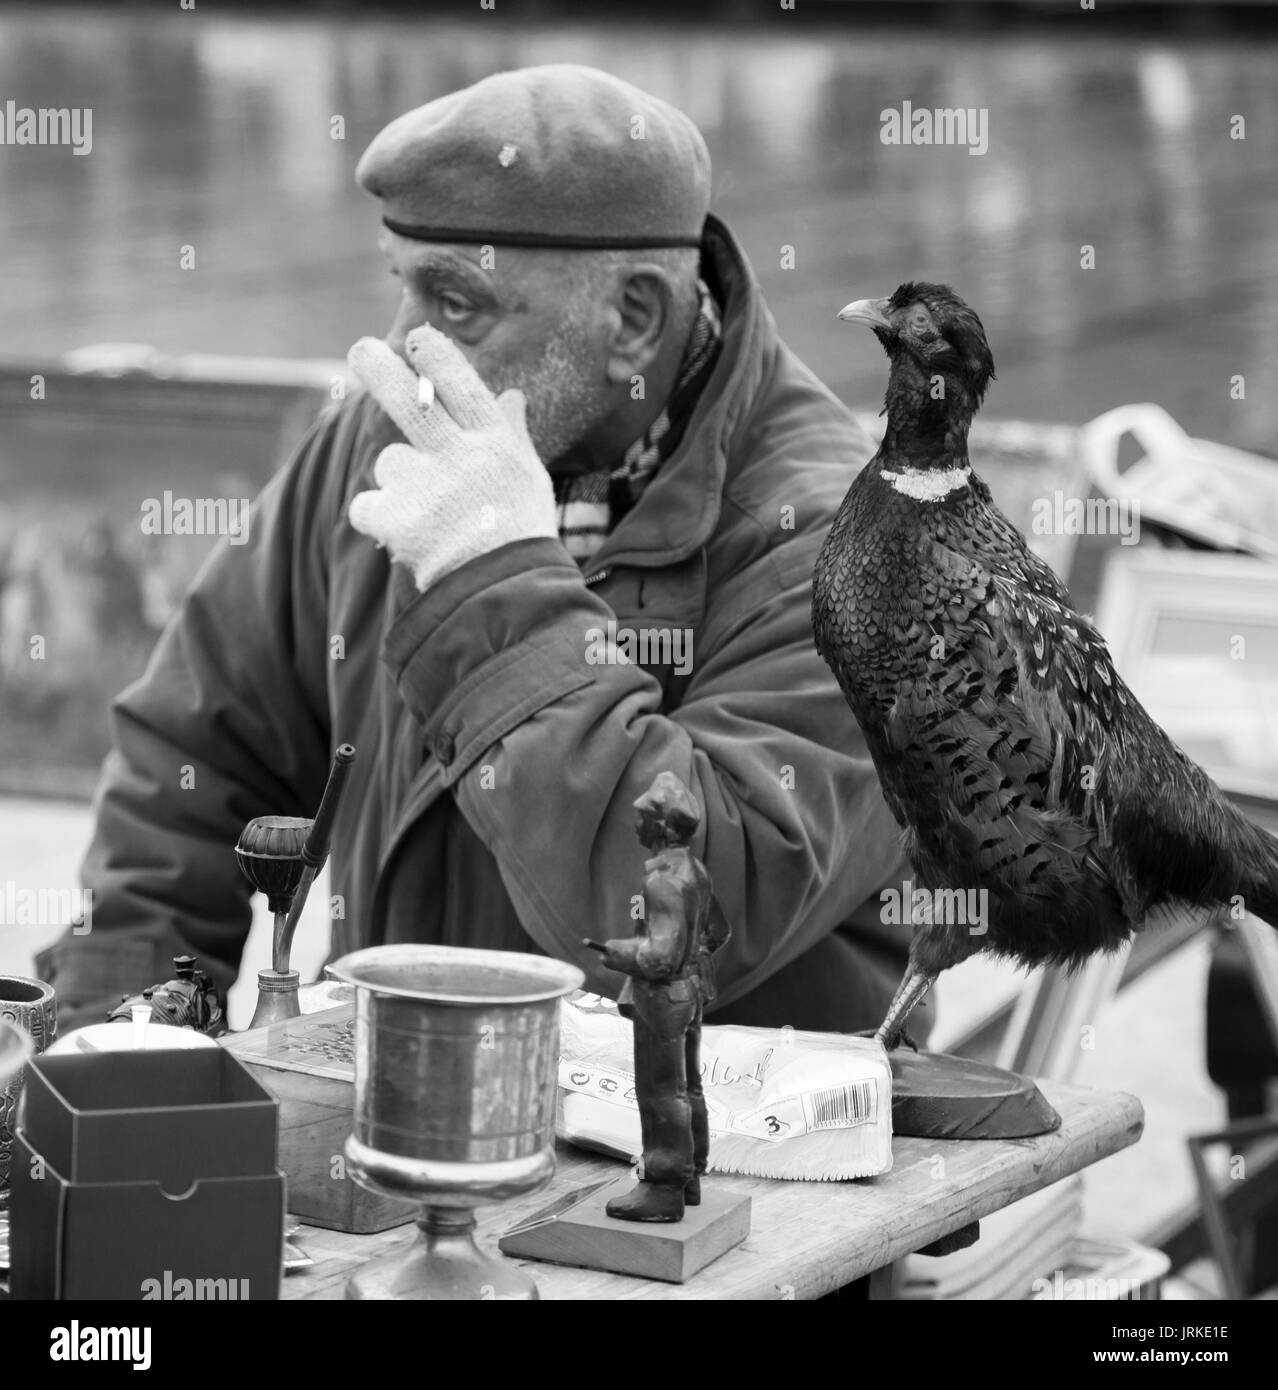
[[911, 990]]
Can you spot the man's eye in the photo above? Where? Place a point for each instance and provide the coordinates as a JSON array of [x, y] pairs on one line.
[[454, 307]]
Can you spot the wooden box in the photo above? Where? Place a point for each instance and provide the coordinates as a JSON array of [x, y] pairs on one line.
[[308, 1065]]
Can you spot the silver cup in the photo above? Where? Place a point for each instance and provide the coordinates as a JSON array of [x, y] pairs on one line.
[[456, 1064]]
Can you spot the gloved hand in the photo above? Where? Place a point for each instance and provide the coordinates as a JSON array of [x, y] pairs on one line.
[[467, 481]]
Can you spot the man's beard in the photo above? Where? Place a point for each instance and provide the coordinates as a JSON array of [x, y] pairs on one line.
[[563, 403]]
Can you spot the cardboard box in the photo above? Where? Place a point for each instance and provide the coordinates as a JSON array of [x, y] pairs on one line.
[[308, 1064], [143, 1175]]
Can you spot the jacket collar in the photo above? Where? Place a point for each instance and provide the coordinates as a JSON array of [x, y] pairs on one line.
[[679, 509]]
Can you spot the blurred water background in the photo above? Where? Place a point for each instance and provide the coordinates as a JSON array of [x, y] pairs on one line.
[[213, 130]]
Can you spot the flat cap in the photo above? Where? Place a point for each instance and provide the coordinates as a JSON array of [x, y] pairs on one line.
[[547, 156]]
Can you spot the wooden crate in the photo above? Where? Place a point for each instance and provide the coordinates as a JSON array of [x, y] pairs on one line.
[[308, 1065]]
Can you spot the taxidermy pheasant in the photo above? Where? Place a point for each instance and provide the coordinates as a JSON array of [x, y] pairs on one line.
[[1016, 761]]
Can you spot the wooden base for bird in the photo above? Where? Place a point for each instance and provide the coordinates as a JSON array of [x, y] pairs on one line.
[[937, 1096], [578, 1231]]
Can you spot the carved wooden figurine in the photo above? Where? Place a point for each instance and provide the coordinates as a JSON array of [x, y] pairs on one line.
[[671, 980]]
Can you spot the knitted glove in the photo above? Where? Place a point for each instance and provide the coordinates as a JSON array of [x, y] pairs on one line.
[[467, 481]]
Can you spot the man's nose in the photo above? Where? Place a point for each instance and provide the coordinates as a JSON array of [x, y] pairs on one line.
[[407, 317]]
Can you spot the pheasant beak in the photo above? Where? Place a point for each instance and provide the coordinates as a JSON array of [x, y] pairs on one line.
[[871, 312]]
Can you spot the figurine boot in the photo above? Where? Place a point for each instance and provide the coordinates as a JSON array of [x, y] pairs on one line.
[[649, 1201]]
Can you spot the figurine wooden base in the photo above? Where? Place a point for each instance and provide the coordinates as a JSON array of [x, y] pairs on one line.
[[584, 1236], [936, 1096]]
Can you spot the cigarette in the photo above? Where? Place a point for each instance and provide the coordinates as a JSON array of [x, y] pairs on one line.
[[425, 392]]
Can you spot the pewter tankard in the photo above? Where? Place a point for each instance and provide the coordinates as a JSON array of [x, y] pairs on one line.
[[456, 1064]]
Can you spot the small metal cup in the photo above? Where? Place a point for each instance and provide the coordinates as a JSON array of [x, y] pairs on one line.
[[30, 1006], [456, 1065]]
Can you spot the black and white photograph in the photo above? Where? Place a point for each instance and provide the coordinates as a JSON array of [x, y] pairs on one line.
[[639, 660]]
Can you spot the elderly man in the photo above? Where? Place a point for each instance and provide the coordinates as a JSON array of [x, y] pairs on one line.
[[562, 543]]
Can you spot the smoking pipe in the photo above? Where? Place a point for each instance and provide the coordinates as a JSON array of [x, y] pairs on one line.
[[280, 856]]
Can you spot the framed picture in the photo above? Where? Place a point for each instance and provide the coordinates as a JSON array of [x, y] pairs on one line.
[[1195, 635]]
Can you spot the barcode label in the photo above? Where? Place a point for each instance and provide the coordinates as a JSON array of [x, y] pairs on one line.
[[842, 1106]]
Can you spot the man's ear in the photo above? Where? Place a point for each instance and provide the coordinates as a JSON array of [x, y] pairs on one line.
[[642, 308]]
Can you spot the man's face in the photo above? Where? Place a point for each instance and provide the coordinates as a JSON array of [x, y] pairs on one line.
[[520, 324]]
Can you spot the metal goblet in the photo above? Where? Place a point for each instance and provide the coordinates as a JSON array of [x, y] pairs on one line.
[[456, 1065]]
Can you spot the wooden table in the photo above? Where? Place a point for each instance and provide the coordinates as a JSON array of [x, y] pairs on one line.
[[806, 1239]]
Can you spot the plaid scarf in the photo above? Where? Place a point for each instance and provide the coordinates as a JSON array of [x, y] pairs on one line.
[[589, 505]]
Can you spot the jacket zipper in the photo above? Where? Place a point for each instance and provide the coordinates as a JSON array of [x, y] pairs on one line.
[[595, 578]]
